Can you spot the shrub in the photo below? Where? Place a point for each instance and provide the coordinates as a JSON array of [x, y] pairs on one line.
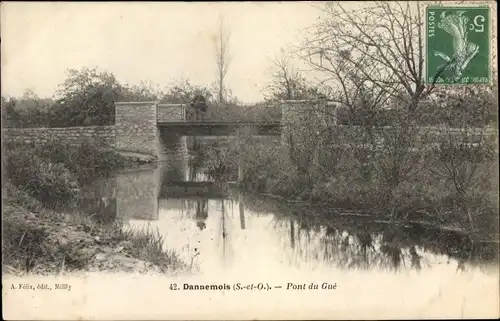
[[53, 172], [85, 161], [50, 183]]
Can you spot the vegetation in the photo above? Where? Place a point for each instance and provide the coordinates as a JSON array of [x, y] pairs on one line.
[[53, 172], [408, 150], [87, 97], [45, 226], [449, 184], [42, 241]]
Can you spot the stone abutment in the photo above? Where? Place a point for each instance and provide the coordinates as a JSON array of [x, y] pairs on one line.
[[137, 132]]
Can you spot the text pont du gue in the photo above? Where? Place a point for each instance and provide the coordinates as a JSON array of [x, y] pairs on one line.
[[311, 286]]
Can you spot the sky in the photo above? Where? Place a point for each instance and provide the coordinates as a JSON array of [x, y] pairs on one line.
[[154, 42]]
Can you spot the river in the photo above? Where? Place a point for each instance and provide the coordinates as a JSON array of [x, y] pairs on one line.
[[218, 227], [226, 234]]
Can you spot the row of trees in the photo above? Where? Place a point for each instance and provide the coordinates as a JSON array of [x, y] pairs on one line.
[[87, 97]]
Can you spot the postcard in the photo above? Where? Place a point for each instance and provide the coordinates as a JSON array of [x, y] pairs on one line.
[[249, 160]]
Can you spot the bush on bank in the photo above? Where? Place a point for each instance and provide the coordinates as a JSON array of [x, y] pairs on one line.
[[53, 172], [450, 182]]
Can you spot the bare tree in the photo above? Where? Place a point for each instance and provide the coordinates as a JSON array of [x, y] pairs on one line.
[[284, 78], [288, 82], [374, 57], [223, 58], [379, 46]]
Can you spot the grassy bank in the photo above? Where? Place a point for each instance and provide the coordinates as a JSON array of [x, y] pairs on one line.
[[44, 228], [42, 241]]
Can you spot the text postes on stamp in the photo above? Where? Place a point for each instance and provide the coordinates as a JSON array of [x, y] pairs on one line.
[[458, 45]]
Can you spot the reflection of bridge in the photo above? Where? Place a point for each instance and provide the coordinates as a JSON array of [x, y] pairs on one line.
[[184, 190], [139, 192]]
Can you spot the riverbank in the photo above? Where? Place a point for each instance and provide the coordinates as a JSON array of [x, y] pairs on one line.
[[46, 227], [326, 213], [37, 240]]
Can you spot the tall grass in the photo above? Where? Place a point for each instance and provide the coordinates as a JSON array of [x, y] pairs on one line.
[[149, 245]]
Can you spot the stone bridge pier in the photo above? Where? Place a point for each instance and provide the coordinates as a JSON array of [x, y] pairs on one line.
[[137, 132]]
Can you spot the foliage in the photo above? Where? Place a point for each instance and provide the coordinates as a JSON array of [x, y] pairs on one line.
[[144, 91], [27, 111], [288, 83], [86, 97], [148, 245], [470, 106], [219, 162], [242, 113], [48, 182], [440, 174], [84, 160], [54, 172], [183, 91]]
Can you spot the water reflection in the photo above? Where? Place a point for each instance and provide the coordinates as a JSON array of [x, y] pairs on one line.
[[242, 215], [219, 229], [201, 213], [99, 199]]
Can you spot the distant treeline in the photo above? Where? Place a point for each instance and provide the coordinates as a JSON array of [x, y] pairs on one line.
[[87, 97]]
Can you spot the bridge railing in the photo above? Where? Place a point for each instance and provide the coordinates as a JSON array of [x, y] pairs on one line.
[[243, 113], [171, 112]]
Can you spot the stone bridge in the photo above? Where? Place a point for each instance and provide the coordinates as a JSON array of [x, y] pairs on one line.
[[149, 128], [146, 129]]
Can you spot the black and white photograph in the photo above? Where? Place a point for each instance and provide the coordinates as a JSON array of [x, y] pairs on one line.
[[249, 160]]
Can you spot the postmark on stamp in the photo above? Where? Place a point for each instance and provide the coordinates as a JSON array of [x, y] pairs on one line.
[[458, 45]]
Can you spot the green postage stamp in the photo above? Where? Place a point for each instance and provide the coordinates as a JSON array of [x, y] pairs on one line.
[[458, 45]]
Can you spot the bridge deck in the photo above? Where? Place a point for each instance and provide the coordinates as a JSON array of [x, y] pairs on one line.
[[214, 128], [219, 123]]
